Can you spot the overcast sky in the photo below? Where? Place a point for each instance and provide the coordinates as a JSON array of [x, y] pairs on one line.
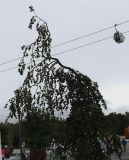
[[106, 63]]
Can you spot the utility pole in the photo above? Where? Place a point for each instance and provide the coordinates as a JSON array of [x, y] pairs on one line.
[[19, 119], [20, 137], [0, 147]]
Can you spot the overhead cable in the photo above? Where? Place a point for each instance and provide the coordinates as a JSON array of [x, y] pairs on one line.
[[85, 45], [75, 39]]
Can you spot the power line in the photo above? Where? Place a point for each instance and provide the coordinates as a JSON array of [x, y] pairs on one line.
[[66, 51], [85, 45], [8, 69], [88, 44], [90, 34], [75, 39], [10, 61]]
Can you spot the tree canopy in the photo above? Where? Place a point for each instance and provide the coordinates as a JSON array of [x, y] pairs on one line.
[[52, 87]]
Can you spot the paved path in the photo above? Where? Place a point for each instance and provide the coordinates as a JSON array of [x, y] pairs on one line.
[[125, 156]]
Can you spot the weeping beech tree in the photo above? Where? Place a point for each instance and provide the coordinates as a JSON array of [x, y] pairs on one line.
[[51, 87]]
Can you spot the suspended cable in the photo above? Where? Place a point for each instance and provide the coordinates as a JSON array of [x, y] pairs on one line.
[[75, 39], [10, 61], [8, 69], [85, 45], [90, 34], [88, 44]]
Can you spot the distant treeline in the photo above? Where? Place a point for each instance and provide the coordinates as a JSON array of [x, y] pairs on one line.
[[39, 129], [115, 123]]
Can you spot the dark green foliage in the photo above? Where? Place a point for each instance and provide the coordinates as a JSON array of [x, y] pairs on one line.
[[3, 130], [40, 130], [8, 133], [85, 126], [15, 136], [50, 86], [37, 129], [116, 123], [116, 145]]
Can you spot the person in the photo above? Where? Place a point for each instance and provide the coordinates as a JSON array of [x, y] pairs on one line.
[[7, 152], [3, 153], [23, 157], [124, 143]]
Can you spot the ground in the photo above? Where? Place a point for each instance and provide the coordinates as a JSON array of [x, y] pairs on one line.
[[125, 156]]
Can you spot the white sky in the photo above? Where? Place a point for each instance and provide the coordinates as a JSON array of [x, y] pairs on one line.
[[105, 62]]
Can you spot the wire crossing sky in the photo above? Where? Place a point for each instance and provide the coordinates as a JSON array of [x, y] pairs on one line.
[[75, 39], [85, 45]]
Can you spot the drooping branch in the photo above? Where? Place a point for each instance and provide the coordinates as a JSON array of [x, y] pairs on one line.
[[53, 86]]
